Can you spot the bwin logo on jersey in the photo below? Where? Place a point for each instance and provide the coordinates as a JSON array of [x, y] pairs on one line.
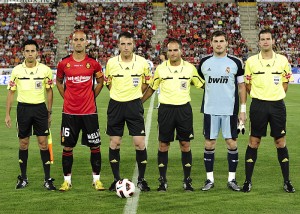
[[223, 79]]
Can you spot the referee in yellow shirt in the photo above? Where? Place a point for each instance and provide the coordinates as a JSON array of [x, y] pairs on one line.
[[31, 79], [174, 78], [267, 75], [127, 76]]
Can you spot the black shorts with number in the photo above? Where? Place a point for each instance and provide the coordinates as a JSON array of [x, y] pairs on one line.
[[32, 116], [264, 112], [175, 117], [131, 112], [71, 126]]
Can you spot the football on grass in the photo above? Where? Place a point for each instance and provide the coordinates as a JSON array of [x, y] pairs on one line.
[[125, 188]]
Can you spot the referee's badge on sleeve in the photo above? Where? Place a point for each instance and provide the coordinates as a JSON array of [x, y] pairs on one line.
[[135, 81]]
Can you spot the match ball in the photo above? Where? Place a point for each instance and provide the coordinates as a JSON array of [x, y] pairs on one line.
[[125, 188]]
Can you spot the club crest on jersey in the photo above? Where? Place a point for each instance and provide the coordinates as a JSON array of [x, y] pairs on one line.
[[38, 85], [135, 81], [183, 85], [276, 80], [88, 65], [228, 70], [68, 65]]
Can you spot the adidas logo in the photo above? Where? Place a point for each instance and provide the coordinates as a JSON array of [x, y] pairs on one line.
[[268, 65], [234, 161], [249, 160], [188, 165], [143, 132], [127, 68], [209, 69], [191, 136], [285, 160], [144, 162], [48, 163], [114, 161], [161, 165], [282, 132], [20, 161], [47, 131]]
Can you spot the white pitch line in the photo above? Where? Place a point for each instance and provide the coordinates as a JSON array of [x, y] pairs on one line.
[[132, 203]]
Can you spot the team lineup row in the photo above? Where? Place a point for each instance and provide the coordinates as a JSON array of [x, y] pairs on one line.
[[224, 78]]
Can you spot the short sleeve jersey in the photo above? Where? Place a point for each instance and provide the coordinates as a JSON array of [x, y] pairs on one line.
[[221, 95], [31, 83], [266, 76], [175, 82], [126, 78], [79, 97]]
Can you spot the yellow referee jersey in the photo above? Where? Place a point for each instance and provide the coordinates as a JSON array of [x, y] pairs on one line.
[[175, 82], [266, 76], [126, 78], [30, 83]]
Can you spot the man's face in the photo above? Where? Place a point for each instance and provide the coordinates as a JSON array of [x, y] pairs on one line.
[[219, 45], [30, 53], [126, 46], [265, 42], [174, 52], [79, 42]]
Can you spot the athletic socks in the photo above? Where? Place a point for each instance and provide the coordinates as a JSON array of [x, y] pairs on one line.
[[233, 159], [114, 159], [23, 157], [162, 161], [250, 159], [67, 162], [141, 159], [209, 159], [283, 158], [186, 160], [95, 160], [45, 156]]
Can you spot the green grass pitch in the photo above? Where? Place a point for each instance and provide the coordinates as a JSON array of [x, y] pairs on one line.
[[267, 195]]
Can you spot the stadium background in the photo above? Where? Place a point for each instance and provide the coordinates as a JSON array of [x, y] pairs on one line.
[[52, 25]]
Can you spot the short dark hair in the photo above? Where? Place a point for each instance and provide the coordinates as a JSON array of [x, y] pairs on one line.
[[265, 31], [218, 33], [173, 40], [31, 42], [126, 34]]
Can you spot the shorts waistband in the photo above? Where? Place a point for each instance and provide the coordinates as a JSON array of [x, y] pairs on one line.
[[30, 104], [170, 105]]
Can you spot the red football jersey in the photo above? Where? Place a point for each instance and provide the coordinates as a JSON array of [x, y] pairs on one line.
[[79, 97]]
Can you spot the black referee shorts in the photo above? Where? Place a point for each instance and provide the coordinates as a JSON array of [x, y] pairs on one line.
[[264, 112], [175, 117], [32, 116], [131, 112]]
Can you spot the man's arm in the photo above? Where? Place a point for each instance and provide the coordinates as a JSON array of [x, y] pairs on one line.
[[49, 92], [9, 102], [99, 86], [285, 86], [248, 88], [243, 100], [144, 87], [60, 87], [148, 94]]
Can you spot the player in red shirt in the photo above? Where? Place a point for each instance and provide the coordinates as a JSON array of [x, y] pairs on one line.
[[76, 75]]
